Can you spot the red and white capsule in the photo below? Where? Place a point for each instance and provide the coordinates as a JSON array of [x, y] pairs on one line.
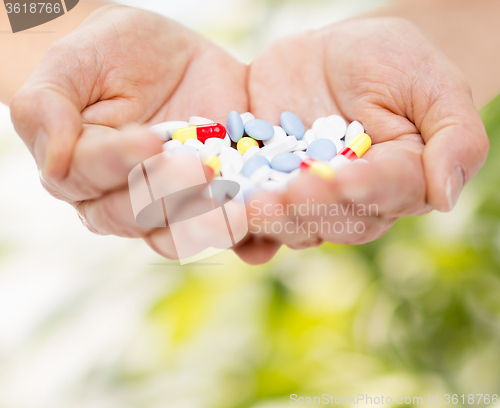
[[200, 132]]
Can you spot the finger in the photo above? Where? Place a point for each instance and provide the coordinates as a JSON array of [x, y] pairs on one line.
[[103, 158], [393, 184], [456, 144], [327, 214], [257, 250], [111, 215]]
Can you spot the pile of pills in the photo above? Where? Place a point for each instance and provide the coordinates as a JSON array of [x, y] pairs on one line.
[[257, 155]]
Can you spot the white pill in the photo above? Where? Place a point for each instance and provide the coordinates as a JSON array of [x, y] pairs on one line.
[[285, 145], [261, 175], [279, 176], [166, 129], [171, 144], [302, 145], [209, 150], [185, 151], [279, 134], [250, 152], [195, 143], [354, 129], [339, 162], [198, 120], [301, 154], [247, 116], [215, 141], [310, 136], [339, 144], [318, 122], [231, 161], [273, 186], [361, 161], [338, 125], [226, 141]]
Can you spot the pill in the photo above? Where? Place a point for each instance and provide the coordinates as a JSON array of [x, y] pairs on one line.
[[318, 122], [259, 129], [357, 147], [246, 117], [234, 126], [284, 145], [354, 129], [292, 125], [226, 141], [214, 163], [302, 145], [209, 150], [338, 125], [319, 168], [322, 149], [171, 144], [216, 140], [185, 151], [252, 164], [339, 162], [310, 136], [261, 175], [194, 143], [280, 176], [198, 120], [279, 134], [251, 152], [246, 143], [200, 132], [166, 129], [286, 162], [301, 154], [231, 161]]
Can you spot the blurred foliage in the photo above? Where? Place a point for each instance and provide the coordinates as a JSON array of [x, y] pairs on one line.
[[416, 312]]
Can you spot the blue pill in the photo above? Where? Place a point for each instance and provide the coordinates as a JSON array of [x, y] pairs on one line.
[[322, 149], [292, 125], [259, 129], [286, 162], [234, 126], [253, 163]]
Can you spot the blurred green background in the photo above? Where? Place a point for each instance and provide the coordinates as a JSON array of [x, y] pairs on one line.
[[101, 322]]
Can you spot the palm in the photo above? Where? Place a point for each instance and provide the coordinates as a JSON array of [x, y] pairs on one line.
[[382, 75]]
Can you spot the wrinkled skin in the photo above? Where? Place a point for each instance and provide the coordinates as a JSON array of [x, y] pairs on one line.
[[137, 67]]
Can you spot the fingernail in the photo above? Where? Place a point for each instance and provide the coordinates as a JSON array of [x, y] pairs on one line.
[[454, 186], [41, 149]]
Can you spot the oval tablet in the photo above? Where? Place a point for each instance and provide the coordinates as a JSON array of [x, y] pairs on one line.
[[234, 126], [286, 162], [292, 125], [322, 149], [259, 129], [253, 163]]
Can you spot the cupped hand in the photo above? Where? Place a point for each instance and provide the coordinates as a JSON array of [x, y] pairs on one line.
[[429, 140], [121, 66]]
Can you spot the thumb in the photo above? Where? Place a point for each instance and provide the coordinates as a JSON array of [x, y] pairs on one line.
[[49, 122]]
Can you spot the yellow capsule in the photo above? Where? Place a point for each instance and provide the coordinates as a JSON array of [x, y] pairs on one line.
[[360, 144], [214, 163], [185, 134], [323, 170], [246, 143]]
